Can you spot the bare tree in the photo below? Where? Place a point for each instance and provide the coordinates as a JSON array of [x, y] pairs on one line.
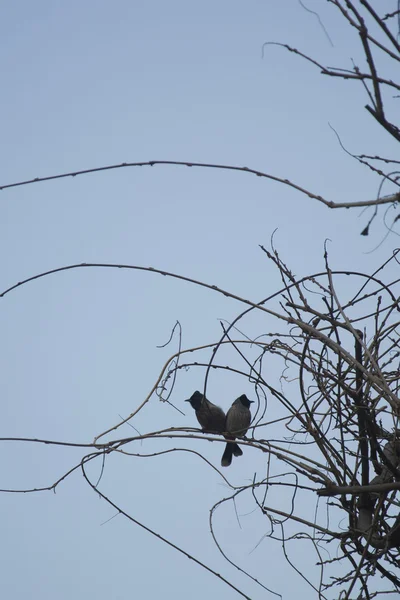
[[337, 389], [380, 55], [335, 351]]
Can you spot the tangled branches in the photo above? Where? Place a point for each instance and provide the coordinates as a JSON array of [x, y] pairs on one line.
[[338, 401], [378, 37], [327, 384]]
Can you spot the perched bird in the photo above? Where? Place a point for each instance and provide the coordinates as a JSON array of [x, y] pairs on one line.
[[237, 423], [210, 416]]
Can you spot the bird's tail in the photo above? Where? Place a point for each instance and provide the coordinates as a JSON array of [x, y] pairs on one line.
[[227, 455], [237, 451], [231, 449]]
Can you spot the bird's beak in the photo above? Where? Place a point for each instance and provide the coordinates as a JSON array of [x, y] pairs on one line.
[[188, 400]]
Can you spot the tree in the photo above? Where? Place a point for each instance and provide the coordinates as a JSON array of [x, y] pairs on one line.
[[331, 369]]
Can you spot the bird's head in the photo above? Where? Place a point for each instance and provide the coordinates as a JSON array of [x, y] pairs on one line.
[[245, 401], [195, 400]]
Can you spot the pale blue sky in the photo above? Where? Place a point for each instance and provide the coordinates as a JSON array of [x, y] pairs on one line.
[[86, 84]]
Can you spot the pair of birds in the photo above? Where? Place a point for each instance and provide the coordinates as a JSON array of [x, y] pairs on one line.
[[213, 419]]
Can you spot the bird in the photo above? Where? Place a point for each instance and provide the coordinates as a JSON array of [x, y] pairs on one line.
[[211, 417], [237, 423]]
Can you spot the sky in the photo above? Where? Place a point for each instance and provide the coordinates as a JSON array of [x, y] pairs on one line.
[[90, 84]]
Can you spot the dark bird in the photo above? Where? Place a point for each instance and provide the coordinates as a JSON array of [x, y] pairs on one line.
[[237, 423], [210, 416]]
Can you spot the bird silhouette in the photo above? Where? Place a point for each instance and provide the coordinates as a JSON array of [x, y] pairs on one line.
[[210, 416], [237, 422]]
